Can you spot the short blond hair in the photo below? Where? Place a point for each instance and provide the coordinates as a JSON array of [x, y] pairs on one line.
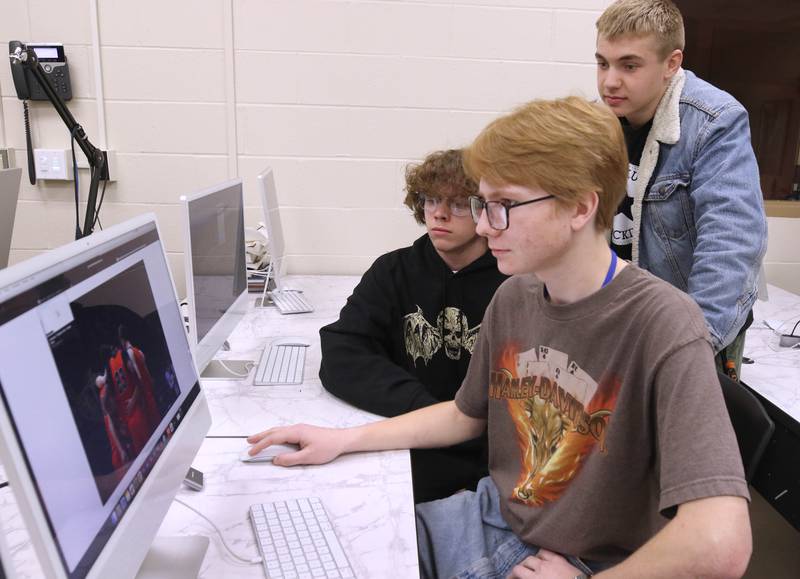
[[566, 147], [659, 18]]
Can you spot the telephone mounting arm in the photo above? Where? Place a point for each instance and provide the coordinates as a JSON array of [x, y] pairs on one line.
[[23, 56]]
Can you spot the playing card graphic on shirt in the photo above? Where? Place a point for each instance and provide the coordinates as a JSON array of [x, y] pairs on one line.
[[560, 414]]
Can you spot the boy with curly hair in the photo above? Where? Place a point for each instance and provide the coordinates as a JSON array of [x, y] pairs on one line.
[[405, 337]]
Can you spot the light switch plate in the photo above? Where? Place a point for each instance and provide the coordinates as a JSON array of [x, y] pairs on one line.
[[52, 164]]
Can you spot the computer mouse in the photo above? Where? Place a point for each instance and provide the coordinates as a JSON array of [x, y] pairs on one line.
[[268, 453], [291, 341]]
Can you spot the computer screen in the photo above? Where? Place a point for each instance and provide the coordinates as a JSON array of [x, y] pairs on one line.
[[272, 219], [216, 270], [9, 192], [101, 411]]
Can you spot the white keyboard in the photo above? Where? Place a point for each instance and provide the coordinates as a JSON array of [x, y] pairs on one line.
[[296, 539], [281, 364], [290, 302]]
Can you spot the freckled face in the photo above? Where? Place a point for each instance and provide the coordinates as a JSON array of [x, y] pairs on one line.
[[537, 234]]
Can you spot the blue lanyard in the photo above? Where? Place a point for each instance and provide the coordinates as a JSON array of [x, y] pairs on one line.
[[611, 269]]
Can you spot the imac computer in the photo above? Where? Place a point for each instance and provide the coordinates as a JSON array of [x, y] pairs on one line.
[[288, 301], [9, 192], [101, 411], [216, 274], [272, 220]]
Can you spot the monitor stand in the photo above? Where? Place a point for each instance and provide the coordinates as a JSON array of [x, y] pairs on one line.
[[227, 370], [220, 369], [174, 558], [264, 301]]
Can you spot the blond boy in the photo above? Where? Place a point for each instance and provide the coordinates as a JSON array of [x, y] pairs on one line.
[[693, 215]]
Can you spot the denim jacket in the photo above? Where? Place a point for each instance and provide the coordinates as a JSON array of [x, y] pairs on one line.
[[698, 212]]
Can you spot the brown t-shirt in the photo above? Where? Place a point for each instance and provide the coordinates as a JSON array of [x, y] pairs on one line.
[[603, 415]]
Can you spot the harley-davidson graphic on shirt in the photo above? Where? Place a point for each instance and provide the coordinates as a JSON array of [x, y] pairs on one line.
[[560, 414]]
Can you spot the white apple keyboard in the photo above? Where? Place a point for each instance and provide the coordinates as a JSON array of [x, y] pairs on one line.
[[290, 301], [296, 539], [282, 362]]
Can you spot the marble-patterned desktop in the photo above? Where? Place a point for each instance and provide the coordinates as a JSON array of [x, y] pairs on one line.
[[775, 372]]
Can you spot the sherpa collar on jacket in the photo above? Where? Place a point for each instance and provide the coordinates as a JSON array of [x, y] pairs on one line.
[[666, 129]]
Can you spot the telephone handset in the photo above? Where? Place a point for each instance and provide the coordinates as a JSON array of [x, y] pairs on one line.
[[54, 63]]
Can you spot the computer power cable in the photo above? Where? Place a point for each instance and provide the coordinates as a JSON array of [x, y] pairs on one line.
[[251, 561], [237, 374]]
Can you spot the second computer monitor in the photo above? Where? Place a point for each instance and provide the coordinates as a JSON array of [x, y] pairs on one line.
[[272, 219], [9, 192], [216, 276]]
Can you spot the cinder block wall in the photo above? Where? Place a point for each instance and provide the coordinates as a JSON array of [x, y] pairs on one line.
[[336, 95], [782, 261]]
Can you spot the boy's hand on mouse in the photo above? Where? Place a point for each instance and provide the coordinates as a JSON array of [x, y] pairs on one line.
[[317, 445]]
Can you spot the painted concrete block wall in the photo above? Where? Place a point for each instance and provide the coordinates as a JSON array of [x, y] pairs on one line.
[[336, 95], [164, 118], [782, 261], [340, 96]]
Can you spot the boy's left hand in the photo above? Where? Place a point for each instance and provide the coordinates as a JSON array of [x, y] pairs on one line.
[[544, 565]]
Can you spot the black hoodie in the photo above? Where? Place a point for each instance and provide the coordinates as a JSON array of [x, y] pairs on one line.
[[403, 341]]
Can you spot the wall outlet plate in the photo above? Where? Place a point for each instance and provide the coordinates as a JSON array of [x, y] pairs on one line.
[[52, 164]]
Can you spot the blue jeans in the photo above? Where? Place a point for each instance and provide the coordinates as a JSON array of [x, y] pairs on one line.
[[465, 537]]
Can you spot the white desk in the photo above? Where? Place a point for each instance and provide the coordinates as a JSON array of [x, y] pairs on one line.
[[775, 376], [368, 495], [775, 373]]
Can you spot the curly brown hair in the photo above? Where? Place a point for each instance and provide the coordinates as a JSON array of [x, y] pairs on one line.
[[441, 174]]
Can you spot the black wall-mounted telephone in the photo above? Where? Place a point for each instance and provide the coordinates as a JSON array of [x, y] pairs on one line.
[[41, 71], [54, 64]]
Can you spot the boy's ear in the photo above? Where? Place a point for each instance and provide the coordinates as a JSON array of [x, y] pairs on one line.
[[585, 210], [674, 62]]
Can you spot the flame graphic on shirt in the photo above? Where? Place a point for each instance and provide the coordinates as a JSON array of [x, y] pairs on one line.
[[555, 433]]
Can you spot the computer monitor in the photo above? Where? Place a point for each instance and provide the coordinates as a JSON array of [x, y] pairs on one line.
[[272, 219], [216, 274], [101, 411], [9, 192]]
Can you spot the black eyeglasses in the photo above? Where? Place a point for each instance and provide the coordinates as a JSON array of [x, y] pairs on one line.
[[497, 211]]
